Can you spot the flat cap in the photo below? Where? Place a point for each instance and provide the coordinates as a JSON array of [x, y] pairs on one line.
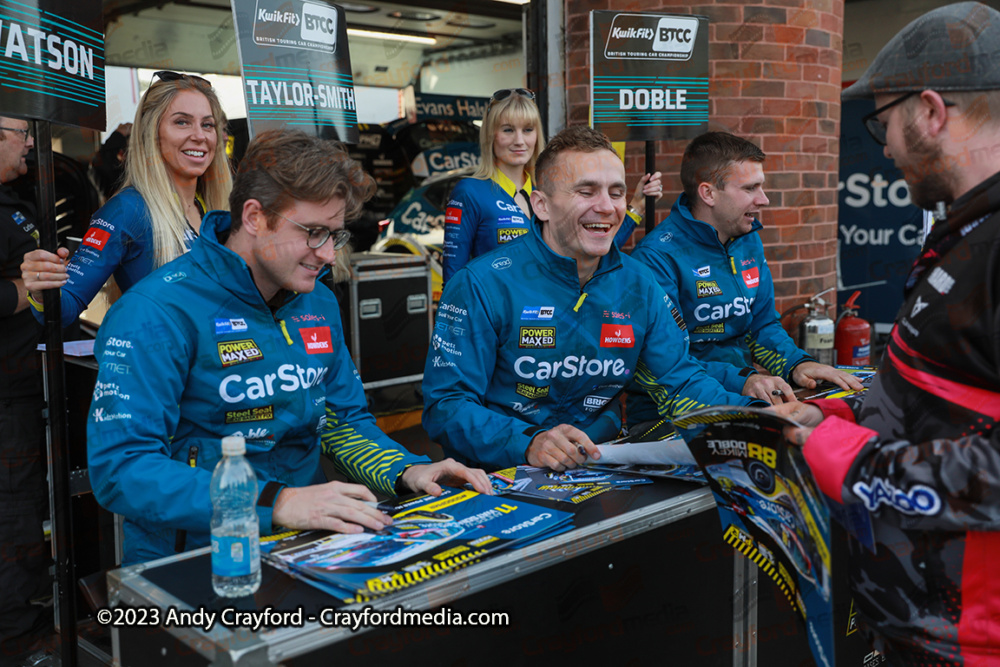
[[956, 47]]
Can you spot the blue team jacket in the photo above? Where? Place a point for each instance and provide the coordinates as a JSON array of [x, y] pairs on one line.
[[118, 242], [482, 215], [192, 354], [726, 294], [519, 347]]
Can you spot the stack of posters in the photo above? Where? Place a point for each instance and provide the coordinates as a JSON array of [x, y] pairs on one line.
[[429, 537], [771, 509], [571, 486]]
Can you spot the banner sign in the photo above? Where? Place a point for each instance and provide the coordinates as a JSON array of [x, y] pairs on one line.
[[649, 76], [879, 231], [450, 106], [296, 67], [52, 61]]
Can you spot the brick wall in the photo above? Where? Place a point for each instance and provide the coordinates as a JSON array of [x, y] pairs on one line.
[[775, 71]]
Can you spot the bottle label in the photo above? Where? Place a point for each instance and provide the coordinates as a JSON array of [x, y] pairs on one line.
[[235, 556]]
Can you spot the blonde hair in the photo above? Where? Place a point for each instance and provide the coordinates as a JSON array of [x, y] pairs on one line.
[[515, 109], [146, 171]]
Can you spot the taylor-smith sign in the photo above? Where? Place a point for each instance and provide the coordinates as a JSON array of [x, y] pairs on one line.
[[650, 75], [52, 61], [296, 67]]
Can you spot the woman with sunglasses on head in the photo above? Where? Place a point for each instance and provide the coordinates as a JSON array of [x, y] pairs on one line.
[[493, 207], [176, 170]]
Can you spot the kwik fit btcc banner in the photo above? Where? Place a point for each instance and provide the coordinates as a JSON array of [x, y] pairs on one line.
[[649, 78], [296, 67], [52, 61]]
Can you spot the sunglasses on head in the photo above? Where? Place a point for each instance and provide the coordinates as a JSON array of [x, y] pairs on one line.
[[167, 75], [501, 95]]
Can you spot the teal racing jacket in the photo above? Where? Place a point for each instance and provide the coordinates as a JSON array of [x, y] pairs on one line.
[[726, 294], [518, 347], [192, 354]]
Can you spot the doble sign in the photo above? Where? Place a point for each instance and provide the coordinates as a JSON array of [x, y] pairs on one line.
[[650, 75]]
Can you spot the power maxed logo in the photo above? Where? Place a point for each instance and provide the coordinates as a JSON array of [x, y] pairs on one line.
[[239, 352], [537, 337]]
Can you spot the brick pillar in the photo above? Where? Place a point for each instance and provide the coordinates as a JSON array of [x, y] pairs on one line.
[[775, 71]]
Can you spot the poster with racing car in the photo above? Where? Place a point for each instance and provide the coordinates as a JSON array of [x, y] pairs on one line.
[[771, 509], [429, 537]]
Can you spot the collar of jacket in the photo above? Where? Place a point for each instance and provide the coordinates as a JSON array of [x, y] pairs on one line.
[[563, 268], [971, 206], [508, 185], [700, 231], [224, 266]]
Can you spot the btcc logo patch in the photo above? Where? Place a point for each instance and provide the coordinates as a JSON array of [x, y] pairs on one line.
[[508, 234], [235, 352], [537, 337], [718, 328], [258, 414], [707, 288], [531, 391]]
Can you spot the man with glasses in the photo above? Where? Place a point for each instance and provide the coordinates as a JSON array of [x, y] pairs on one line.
[[921, 450], [236, 338], [24, 580]]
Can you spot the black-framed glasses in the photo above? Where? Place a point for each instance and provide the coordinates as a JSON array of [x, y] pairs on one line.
[[877, 128], [318, 236], [503, 94], [167, 75], [24, 133]]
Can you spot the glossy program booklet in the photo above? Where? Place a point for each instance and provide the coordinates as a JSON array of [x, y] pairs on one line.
[[771, 509], [429, 537]]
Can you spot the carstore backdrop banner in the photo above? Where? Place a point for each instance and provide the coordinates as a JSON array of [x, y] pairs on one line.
[[52, 61], [649, 78], [879, 231], [296, 67]]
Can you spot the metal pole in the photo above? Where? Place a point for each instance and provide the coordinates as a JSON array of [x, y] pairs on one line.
[[62, 518], [650, 201]]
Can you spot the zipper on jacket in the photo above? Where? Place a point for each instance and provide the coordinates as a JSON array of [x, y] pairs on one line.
[[284, 331], [181, 540], [579, 302]]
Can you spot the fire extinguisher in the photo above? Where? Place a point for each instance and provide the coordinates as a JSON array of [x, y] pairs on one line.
[[816, 331], [854, 336]]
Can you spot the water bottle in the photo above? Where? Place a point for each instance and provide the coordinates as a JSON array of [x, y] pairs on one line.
[[235, 528]]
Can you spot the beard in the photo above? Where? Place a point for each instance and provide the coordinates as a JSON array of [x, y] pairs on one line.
[[925, 171]]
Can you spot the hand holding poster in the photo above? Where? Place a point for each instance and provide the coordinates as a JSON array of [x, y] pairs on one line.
[[771, 509]]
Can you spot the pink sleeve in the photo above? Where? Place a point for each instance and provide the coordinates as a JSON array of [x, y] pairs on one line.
[[834, 407], [831, 449]]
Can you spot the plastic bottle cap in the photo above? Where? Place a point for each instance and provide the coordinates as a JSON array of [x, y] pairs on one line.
[[234, 445]]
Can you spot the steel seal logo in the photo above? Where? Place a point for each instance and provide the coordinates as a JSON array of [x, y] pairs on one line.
[[707, 288], [537, 337], [258, 414], [531, 391], [236, 352]]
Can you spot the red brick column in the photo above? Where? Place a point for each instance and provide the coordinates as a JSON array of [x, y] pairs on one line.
[[775, 71]]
